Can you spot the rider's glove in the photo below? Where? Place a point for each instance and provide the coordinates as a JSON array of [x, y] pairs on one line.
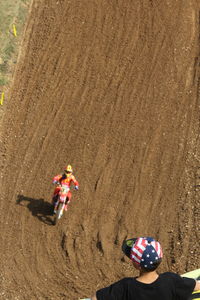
[[76, 187]]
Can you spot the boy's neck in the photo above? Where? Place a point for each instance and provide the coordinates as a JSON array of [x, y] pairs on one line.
[[147, 277]]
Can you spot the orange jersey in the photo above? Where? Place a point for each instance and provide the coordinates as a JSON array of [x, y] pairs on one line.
[[66, 180]]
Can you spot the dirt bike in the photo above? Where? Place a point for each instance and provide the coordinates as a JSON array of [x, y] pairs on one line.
[[60, 204]]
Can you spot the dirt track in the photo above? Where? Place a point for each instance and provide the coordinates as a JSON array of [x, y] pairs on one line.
[[111, 87]]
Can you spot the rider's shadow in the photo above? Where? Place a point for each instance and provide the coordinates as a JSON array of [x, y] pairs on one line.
[[38, 207]]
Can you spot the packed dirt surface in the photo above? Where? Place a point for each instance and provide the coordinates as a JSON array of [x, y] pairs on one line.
[[111, 87]]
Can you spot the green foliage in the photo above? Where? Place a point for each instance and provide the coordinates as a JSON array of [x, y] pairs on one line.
[[11, 12], [4, 67], [9, 50], [3, 81]]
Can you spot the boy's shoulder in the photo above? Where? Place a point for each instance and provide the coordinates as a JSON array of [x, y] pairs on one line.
[[162, 276], [172, 274], [124, 281], [176, 278], [169, 275]]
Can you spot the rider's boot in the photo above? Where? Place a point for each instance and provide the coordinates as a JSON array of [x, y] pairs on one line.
[[55, 207], [54, 199]]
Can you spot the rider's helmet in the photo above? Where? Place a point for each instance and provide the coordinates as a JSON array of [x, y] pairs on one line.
[[68, 170]]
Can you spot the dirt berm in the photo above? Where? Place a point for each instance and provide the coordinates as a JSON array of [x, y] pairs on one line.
[[111, 87]]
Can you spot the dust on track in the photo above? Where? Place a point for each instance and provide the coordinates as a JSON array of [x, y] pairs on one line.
[[112, 88]]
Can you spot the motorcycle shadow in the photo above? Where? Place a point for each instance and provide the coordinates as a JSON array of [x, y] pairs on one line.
[[38, 207]]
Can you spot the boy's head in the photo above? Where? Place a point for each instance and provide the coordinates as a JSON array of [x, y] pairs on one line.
[[145, 252]]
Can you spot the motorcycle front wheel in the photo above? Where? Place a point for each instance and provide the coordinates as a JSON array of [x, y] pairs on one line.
[[59, 212]]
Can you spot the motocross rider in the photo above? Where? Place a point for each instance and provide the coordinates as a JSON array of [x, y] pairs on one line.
[[64, 179]]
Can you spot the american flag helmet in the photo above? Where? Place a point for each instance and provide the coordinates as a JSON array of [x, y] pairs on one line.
[[144, 251]]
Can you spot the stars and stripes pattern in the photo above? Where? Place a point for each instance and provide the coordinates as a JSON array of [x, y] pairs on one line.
[[146, 251]]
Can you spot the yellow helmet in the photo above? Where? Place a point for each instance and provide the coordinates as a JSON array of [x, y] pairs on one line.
[[68, 169]]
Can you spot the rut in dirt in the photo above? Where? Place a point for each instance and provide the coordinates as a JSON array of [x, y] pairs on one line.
[[111, 88]]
